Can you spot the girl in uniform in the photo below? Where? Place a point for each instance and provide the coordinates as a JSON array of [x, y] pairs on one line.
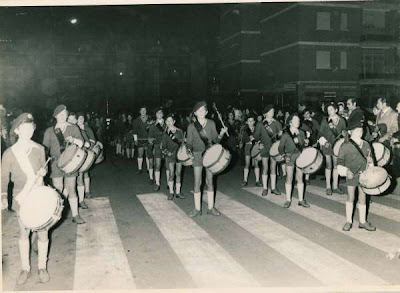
[[330, 131], [291, 145], [172, 138], [201, 134]]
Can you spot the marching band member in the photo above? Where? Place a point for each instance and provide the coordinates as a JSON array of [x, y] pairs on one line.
[[55, 139], [140, 136], [247, 141], [23, 163], [172, 138], [83, 180], [354, 156], [200, 135], [156, 131], [387, 117], [129, 145], [330, 130], [291, 145]]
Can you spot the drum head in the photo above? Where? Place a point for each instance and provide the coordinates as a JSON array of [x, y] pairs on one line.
[[373, 177], [337, 146], [274, 150], [212, 154], [306, 156], [39, 207], [379, 150], [67, 154], [182, 153]]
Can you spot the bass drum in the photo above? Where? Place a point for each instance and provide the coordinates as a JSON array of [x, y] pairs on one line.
[[374, 180], [91, 157], [274, 152], [72, 159], [216, 158], [310, 160], [336, 147], [184, 156], [42, 209], [382, 154], [255, 151]]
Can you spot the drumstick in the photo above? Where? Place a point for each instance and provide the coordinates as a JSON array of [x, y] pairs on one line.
[[220, 119]]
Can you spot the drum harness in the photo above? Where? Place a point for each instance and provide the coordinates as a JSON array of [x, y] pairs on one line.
[[173, 138], [361, 153]]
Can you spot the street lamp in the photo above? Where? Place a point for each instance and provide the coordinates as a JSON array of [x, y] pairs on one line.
[[73, 20]]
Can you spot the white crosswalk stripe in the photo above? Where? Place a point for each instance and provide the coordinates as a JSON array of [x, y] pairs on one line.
[[380, 239], [375, 208], [324, 265], [203, 258], [100, 262]]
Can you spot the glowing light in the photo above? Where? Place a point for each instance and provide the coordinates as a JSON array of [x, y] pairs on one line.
[[120, 73], [73, 20]]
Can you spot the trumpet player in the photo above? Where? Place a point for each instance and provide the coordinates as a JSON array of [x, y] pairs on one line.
[[354, 158]]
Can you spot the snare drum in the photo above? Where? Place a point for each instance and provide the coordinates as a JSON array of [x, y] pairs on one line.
[[216, 158], [72, 159], [90, 158], [310, 160], [382, 154], [274, 152], [42, 209], [255, 152], [184, 156], [336, 146], [374, 180]]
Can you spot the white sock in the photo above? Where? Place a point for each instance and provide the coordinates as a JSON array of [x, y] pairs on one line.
[[283, 169], [349, 211], [335, 178], [210, 199], [157, 175], [328, 175], [147, 163], [307, 176], [362, 209], [300, 191], [197, 200], [288, 188], [167, 175], [43, 248], [178, 187], [273, 181], [87, 185], [151, 174], [245, 174], [24, 247], [265, 181], [73, 203], [81, 193], [171, 186], [140, 163], [257, 174]]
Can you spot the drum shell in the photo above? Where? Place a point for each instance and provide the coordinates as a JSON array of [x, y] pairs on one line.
[[379, 189], [72, 165], [336, 147], [274, 152], [314, 165], [183, 156], [255, 152], [381, 159], [90, 158], [217, 166], [100, 157], [53, 213]]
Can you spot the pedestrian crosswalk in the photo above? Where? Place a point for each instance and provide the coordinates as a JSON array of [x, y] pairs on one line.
[[101, 262]]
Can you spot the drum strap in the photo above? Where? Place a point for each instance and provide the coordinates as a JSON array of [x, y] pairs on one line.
[[270, 132], [173, 137], [202, 133], [60, 138], [26, 167], [295, 138], [160, 128], [358, 148]]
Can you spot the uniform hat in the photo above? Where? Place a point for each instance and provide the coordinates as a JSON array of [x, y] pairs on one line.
[[59, 109], [21, 119], [199, 105], [353, 124], [268, 108]]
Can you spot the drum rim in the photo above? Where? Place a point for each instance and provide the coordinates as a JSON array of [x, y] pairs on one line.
[[226, 165], [384, 182], [377, 187], [216, 161], [77, 149], [78, 166]]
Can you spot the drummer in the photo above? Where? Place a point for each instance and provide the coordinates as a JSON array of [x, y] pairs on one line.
[[172, 138], [331, 129], [55, 139], [24, 164], [83, 180], [291, 145], [247, 141], [354, 155], [201, 134]]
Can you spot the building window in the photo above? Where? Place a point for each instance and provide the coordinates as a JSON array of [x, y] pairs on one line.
[[343, 60], [323, 60], [374, 19], [323, 21], [343, 22]]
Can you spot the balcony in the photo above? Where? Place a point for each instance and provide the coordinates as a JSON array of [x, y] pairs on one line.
[[378, 75], [373, 33]]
